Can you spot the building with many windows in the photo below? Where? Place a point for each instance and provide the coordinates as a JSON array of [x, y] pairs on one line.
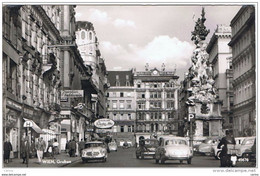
[[156, 100], [121, 105], [220, 57], [87, 43], [244, 77]]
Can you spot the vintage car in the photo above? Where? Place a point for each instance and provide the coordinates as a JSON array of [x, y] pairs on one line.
[[206, 147], [94, 150], [246, 146], [149, 148], [112, 146], [173, 148], [216, 151]]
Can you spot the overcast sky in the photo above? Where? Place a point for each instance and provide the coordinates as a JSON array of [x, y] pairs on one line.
[[131, 36]]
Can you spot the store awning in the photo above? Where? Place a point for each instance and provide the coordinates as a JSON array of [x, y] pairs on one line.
[[35, 127]]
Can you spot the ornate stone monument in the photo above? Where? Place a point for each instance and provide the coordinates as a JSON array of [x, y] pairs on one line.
[[203, 102]]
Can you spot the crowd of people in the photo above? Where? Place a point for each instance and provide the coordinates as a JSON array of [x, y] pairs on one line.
[[74, 148]]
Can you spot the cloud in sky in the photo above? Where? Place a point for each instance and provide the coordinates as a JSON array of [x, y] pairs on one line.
[[162, 49], [124, 23], [98, 16]]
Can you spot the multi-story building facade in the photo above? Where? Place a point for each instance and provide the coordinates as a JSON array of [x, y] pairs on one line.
[[87, 43], [220, 57], [31, 71], [156, 100], [121, 104], [244, 78], [40, 60]]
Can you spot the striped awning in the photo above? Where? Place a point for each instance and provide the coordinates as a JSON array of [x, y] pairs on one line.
[[35, 127]]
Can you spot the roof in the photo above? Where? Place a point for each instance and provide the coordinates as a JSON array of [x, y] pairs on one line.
[[112, 75]]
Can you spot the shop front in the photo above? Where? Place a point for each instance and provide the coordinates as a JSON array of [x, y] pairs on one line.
[[11, 124]]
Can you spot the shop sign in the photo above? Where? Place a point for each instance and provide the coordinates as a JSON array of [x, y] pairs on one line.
[[103, 130], [104, 123], [14, 105], [28, 112], [28, 124], [71, 94]]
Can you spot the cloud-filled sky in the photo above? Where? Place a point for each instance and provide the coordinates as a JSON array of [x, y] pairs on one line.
[[131, 36]]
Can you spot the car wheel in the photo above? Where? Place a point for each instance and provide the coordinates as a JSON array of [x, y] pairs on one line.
[[181, 161], [218, 155], [189, 161]]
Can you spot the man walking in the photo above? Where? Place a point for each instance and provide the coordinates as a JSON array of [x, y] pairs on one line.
[[81, 146], [40, 147], [25, 150]]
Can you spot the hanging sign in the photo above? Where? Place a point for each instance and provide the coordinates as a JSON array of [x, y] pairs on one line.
[[28, 124], [104, 123]]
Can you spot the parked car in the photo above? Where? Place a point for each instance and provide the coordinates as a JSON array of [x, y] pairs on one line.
[[112, 146], [149, 148], [173, 148], [246, 146], [206, 147], [94, 150], [216, 151]]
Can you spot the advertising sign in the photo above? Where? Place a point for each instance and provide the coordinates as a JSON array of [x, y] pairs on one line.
[[104, 123], [71, 94], [28, 124]]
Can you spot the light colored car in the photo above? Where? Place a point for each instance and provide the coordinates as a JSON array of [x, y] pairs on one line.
[[216, 151], [206, 147], [94, 150], [112, 146], [246, 146], [173, 148]]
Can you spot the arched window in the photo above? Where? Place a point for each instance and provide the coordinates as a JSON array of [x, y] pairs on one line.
[[83, 35], [90, 36]]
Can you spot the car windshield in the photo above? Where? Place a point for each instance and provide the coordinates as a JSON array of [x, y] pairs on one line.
[[248, 141], [88, 145], [207, 141], [175, 142]]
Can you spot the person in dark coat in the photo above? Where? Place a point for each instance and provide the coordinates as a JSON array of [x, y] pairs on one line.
[[7, 149], [228, 139], [81, 146], [25, 150], [72, 148]]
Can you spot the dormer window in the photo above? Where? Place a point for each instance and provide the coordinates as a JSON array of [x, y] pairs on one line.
[[117, 80]]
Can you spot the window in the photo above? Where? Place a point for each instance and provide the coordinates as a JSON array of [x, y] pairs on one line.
[[121, 129], [108, 104], [143, 95], [128, 104], [107, 94], [117, 83], [114, 94], [114, 117], [127, 83], [155, 85], [129, 129], [121, 104], [121, 94], [121, 116], [129, 117], [90, 36], [139, 85], [83, 35], [114, 104]]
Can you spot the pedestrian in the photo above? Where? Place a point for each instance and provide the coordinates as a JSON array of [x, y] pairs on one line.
[[56, 147], [40, 147], [67, 147], [25, 150], [7, 150], [81, 146], [72, 148], [32, 149], [228, 139], [50, 149], [77, 149]]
